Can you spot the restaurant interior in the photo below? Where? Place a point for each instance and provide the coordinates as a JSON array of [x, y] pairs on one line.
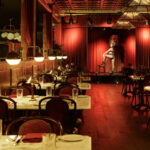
[[75, 74]]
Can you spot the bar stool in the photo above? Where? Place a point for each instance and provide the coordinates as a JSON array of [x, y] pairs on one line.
[[101, 66]]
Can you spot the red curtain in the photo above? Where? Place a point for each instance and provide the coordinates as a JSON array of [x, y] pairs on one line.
[[74, 44], [98, 39], [85, 46], [143, 47], [27, 25], [29, 21]]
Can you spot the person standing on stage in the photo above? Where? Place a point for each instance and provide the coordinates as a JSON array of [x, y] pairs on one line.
[[110, 53]]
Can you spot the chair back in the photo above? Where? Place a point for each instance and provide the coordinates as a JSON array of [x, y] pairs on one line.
[[65, 89], [34, 124], [48, 78], [6, 115], [72, 80], [147, 80], [26, 90], [3, 109], [58, 109], [21, 83], [4, 102]]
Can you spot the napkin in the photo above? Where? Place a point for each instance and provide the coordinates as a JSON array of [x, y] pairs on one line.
[[33, 138], [13, 96]]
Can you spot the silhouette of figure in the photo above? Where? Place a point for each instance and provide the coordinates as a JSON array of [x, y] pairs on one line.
[[110, 53]]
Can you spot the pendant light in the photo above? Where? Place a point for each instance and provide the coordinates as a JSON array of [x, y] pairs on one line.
[[13, 58]]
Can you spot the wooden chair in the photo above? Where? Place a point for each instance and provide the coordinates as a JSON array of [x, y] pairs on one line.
[[26, 90], [34, 124], [6, 115], [58, 109], [72, 80], [65, 89]]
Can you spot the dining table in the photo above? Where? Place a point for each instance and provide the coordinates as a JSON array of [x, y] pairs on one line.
[[64, 142], [139, 90], [83, 102], [82, 86]]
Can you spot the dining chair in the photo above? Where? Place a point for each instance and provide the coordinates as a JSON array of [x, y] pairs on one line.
[[140, 94], [26, 90], [34, 124], [128, 83], [7, 115], [58, 109], [48, 78], [36, 87], [72, 79], [22, 82], [65, 89]]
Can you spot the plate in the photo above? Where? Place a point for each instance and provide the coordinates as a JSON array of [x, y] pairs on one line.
[[71, 138], [82, 96]]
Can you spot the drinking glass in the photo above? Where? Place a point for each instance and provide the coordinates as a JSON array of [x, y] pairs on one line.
[[49, 141], [19, 93], [49, 91], [74, 93]]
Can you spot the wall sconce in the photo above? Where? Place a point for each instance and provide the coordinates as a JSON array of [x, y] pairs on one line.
[[39, 58], [64, 57], [12, 59], [59, 57], [51, 57], [38, 55]]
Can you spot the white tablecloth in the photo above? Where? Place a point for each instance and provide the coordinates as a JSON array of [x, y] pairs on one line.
[[83, 102], [82, 86], [84, 144]]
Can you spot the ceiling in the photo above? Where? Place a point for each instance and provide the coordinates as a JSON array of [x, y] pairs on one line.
[[90, 6], [12, 8], [64, 7]]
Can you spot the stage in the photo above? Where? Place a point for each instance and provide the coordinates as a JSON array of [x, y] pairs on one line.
[[116, 77]]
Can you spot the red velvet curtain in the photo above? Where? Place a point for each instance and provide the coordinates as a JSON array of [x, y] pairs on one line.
[[27, 21], [98, 39], [143, 47], [85, 46], [74, 44]]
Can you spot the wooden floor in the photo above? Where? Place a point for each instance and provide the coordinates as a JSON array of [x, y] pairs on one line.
[[112, 123]]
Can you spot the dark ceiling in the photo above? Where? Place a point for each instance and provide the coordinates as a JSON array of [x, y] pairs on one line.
[[12, 8]]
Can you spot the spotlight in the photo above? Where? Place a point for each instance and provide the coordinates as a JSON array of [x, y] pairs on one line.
[[90, 21], [109, 20], [70, 20]]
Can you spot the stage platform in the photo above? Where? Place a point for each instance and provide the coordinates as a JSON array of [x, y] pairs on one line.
[[116, 77]]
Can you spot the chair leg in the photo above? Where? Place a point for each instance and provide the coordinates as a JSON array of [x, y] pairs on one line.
[[147, 102], [133, 100]]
